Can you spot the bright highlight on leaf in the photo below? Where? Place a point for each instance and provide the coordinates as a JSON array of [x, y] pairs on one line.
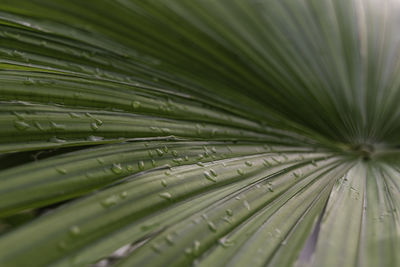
[[199, 133]]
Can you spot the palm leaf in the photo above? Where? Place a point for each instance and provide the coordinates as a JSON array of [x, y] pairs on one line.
[[211, 133]]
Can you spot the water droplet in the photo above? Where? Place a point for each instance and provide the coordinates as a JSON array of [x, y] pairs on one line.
[[141, 165], [159, 152], [95, 138], [87, 114], [38, 125], [174, 153], [196, 247], [274, 159], [21, 125], [77, 95], [167, 173], [240, 171], [85, 55], [212, 226], [166, 195], [170, 103], [165, 149], [178, 160], [57, 126], [169, 239], [296, 174], [43, 43], [201, 164], [246, 204], [225, 242], [214, 173], [204, 216], [74, 115], [110, 201], [16, 53], [74, 230], [150, 153], [164, 183], [99, 122], [229, 212], [213, 150], [248, 163], [188, 251], [19, 116], [153, 162], [314, 163], [186, 158], [54, 139], [116, 168], [29, 81], [266, 163], [135, 104], [123, 194], [100, 160], [61, 170], [129, 168], [278, 232], [94, 126], [62, 245], [209, 177], [270, 188]]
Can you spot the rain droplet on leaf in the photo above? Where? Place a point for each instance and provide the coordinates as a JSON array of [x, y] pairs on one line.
[[21, 125], [212, 226], [249, 163], [116, 168], [209, 177], [166, 195], [135, 104], [74, 230], [141, 165]]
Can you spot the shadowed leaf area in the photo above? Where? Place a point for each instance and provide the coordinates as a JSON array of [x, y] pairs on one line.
[[199, 133]]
